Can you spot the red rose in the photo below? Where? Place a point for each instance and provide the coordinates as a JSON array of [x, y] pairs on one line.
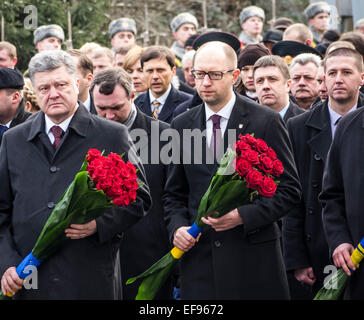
[[93, 154], [251, 156], [267, 187], [265, 163], [122, 200], [242, 166], [277, 168], [271, 153], [249, 139], [241, 146], [261, 146], [254, 179]]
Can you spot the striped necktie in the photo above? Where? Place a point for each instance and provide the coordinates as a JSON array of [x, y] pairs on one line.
[[58, 134], [156, 105]]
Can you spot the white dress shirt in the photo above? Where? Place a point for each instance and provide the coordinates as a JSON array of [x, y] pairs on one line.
[[225, 113], [162, 99], [49, 124]]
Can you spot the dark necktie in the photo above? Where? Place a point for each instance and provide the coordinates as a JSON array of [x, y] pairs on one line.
[[337, 121], [57, 133], [3, 129], [216, 133]]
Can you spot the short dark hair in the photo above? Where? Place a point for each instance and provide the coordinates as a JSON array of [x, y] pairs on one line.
[[273, 61], [158, 52], [107, 80], [356, 38], [346, 52], [84, 62]]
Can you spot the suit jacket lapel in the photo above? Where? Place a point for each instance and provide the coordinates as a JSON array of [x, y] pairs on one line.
[[320, 121], [169, 105], [145, 104]]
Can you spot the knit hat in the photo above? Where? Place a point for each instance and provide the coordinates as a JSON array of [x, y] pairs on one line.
[[52, 30], [251, 53], [122, 24]]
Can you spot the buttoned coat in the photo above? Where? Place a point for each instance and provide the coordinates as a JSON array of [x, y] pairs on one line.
[[174, 99], [304, 240], [342, 193], [244, 262], [33, 178]]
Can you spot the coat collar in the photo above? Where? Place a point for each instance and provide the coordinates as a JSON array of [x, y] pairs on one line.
[[79, 122]]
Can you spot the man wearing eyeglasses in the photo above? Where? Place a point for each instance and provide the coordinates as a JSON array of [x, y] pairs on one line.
[[238, 255]]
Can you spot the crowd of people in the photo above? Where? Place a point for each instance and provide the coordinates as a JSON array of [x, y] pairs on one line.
[[298, 86]]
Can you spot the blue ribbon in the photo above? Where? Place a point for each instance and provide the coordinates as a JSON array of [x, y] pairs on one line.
[[29, 260], [194, 231]]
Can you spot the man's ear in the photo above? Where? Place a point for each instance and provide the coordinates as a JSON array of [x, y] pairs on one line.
[[89, 78], [16, 97]]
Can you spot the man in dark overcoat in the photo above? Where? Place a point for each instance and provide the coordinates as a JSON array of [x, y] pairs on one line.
[[342, 185], [238, 256], [37, 165], [147, 241], [306, 251]]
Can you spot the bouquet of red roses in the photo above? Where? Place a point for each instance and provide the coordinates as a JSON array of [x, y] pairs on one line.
[[244, 173], [102, 183]]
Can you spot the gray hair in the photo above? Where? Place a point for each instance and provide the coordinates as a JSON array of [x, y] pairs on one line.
[[107, 80], [50, 60], [305, 58], [187, 57], [359, 24]]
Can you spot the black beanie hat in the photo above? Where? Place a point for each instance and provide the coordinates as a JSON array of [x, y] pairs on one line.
[[251, 53]]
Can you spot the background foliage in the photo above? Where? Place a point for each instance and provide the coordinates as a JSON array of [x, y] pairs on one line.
[[90, 18]]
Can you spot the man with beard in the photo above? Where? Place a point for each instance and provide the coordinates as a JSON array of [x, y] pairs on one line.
[[304, 243], [303, 71]]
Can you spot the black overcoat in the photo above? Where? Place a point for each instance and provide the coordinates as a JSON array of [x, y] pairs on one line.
[[342, 192], [304, 241], [147, 241], [33, 178]]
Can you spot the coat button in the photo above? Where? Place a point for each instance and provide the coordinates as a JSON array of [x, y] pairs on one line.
[[308, 237], [310, 211], [217, 244], [53, 169], [51, 205], [316, 157]]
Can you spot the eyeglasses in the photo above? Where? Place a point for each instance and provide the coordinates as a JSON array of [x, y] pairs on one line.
[[213, 75]]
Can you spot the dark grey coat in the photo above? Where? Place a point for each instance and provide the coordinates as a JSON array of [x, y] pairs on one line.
[[342, 192], [304, 241], [244, 262], [33, 178], [147, 241]]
